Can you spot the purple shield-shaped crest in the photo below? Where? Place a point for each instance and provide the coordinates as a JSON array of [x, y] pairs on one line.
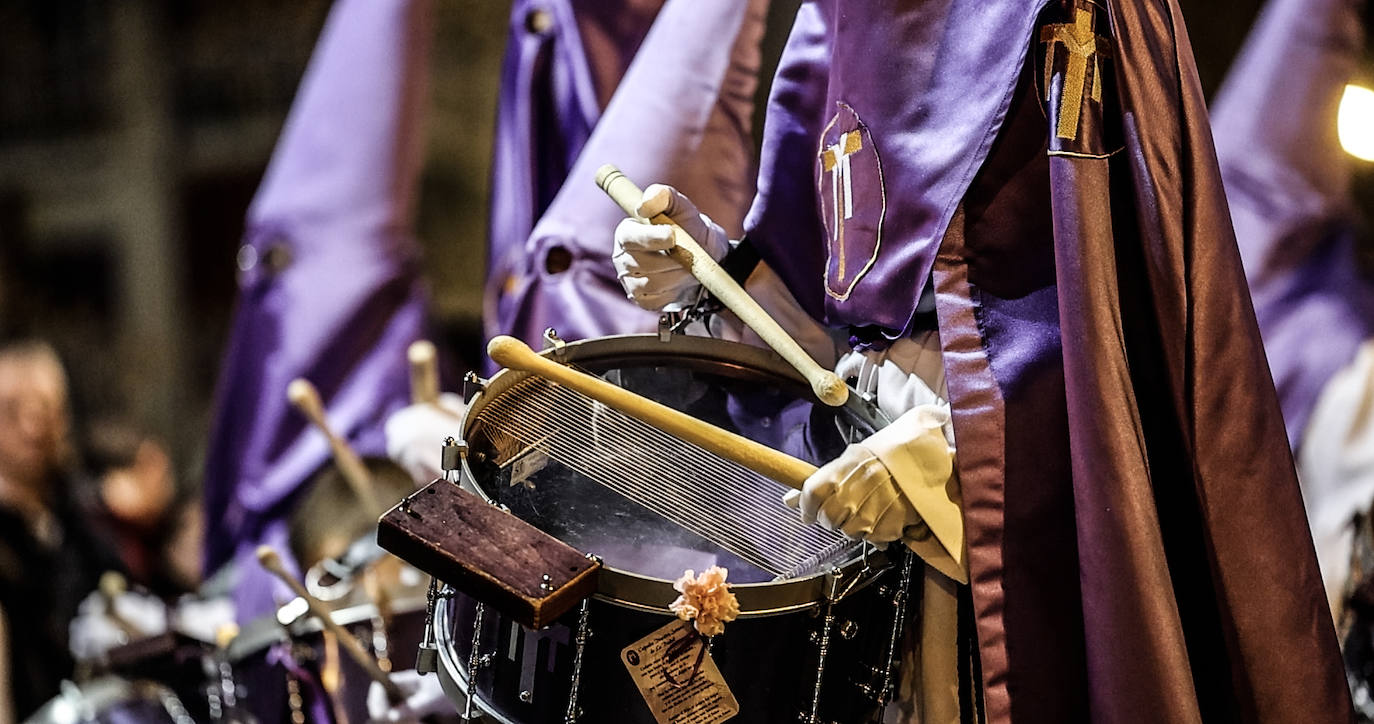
[[849, 182]]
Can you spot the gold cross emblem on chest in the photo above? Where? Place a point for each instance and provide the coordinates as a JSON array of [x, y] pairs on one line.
[[1083, 44]]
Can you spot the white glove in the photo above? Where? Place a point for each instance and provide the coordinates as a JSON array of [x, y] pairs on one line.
[[415, 435], [95, 630], [650, 277], [424, 697], [894, 485]]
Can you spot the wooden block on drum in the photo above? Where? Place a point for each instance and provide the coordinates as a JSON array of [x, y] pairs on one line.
[[487, 553]]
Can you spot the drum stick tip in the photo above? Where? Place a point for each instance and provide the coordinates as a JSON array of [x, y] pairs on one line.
[[269, 558], [830, 389], [502, 349], [605, 173], [301, 392], [112, 584], [421, 352]]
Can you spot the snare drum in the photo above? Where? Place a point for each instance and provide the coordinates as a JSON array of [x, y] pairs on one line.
[[816, 639], [112, 700], [279, 664]]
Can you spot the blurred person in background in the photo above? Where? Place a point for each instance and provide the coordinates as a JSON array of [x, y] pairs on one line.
[[138, 495], [49, 557]]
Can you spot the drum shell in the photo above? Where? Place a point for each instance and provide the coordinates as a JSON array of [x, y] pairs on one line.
[[771, 663]]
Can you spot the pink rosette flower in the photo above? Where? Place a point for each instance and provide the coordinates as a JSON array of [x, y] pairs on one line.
[[706, 600]]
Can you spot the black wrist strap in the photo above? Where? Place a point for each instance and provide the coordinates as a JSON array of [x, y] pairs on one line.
[[741, 261]]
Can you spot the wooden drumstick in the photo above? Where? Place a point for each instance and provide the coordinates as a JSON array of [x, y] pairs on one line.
[[306, 398], [271, 561], [828, 387], [424, 371], [512, 353]]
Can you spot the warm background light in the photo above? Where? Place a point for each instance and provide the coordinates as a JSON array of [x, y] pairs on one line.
[[1355, 122]]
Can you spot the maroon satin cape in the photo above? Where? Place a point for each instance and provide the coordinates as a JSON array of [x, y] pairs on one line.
[[1136, 536]]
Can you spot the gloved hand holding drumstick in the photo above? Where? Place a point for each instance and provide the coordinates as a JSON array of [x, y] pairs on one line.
[[897, 484]]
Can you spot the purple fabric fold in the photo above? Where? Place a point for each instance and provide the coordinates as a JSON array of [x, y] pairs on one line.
[[904, 158], [680, 115], [329, 283], [1288, 186]]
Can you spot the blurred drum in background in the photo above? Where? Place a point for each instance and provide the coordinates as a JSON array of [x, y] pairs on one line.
[[113, 700]]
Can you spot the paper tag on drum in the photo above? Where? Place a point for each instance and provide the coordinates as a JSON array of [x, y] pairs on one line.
[[705, 698]]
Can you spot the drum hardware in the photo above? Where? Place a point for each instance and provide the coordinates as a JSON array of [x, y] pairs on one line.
[[883, 692], [584, 632], [427, 658], [270, 560], [554, 342], [476, 661], [838, 588], [451, 457], [822, 641], [472, 384]]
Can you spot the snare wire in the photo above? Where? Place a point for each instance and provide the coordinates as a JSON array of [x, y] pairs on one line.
[[718, 499]]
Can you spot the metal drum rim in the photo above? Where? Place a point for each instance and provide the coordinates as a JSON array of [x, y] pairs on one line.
[[647, 593]]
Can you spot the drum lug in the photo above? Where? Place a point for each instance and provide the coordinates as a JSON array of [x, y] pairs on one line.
[[427, 658], [669, 321], [472, 384], [451, 457], [554, 342]]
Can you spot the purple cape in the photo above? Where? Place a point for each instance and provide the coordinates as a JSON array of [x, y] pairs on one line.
[[1135, 531], [330, 290], [681, 116], [1288, 184]]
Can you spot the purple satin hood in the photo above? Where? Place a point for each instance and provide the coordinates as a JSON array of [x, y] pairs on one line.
[[680, 115], [330, 289], [1288, 185]]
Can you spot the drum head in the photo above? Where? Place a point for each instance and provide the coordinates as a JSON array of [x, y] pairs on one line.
[[669, 511]]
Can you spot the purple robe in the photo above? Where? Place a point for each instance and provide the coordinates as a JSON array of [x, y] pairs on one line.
[[330, 288], [680, 115], [1289, 186], [1120, 448]]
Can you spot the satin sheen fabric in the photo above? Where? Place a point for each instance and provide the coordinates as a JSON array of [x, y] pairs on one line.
[[1136, 538], [1288, 183], [680, 115], [329, 287]]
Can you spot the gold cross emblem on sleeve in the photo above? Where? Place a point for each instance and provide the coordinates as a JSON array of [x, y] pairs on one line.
[[835, 161], [1082, 44]]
